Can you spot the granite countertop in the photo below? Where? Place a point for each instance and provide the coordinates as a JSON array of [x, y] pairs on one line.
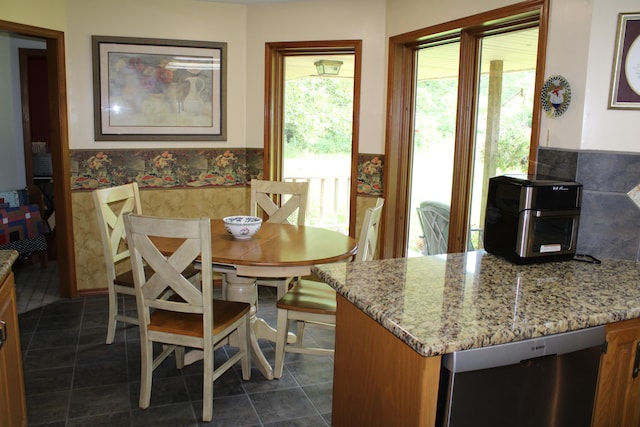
[[444, 303], [7, 258]]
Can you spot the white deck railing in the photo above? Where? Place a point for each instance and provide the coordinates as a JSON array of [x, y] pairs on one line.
[[328, 203]]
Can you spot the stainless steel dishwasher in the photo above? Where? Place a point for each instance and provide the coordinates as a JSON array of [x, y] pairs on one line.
[[542, 382]]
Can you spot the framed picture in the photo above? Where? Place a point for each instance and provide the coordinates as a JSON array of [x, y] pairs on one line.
[[159, 90], [625, 80]]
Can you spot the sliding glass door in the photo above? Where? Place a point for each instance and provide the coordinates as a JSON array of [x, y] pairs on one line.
[[503, 116], [500, 131], [463, 108]]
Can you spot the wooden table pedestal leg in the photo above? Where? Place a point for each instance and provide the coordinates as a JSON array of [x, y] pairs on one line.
[[244, 289]]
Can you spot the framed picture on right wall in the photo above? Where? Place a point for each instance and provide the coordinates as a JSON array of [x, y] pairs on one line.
[[625, 78]]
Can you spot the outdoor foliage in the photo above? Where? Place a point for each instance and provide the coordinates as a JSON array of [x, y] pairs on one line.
[[317, 118], [434, 123], [515, 120], [318, 114], [434, 137]]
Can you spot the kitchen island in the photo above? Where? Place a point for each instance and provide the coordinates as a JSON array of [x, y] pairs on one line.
[[397, 317]]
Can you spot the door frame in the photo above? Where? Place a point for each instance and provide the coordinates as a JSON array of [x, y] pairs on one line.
[[59, 149], [400, 113], [275, 54]]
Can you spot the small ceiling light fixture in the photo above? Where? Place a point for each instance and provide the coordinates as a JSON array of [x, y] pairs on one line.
[[327, 67]]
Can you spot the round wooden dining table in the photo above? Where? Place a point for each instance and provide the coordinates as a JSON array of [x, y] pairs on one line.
[[275, 251]]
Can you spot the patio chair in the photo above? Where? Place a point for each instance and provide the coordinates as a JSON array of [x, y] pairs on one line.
[[434, 220]]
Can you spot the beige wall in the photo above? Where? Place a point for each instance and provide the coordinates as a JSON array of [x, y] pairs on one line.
[[168, 19], [567, 54], [49, 14], [603, 128], [245, 29]]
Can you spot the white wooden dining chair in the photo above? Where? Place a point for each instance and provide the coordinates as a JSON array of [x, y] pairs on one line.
[[314, 303], [191, 317], [283, 203], [111, 205]]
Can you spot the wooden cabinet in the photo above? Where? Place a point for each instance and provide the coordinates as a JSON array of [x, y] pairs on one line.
[[13, 406], [377, 379], [618, 392]]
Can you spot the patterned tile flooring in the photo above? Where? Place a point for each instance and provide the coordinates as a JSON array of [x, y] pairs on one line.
[[72, 378]]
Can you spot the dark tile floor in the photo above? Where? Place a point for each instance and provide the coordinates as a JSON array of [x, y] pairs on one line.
[[35, 286], [72, 378]]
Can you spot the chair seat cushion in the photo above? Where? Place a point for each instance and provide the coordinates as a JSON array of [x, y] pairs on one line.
[[126, 278], [311, 297], [224, 314]]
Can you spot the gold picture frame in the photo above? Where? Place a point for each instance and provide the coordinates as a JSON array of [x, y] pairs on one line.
[[159, 89], [625, 80]]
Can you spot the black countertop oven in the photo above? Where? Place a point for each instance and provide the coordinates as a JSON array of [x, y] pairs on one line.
[[532, 218]]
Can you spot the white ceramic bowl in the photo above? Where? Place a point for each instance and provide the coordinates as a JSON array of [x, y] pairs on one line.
[[242, 226]]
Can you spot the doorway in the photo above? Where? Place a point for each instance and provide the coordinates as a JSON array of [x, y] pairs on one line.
[[36, 131], [57, 99], [325, 134], [318, 129]]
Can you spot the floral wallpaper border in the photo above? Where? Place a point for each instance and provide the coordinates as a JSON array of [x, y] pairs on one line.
[[370, 175], [190, 168]]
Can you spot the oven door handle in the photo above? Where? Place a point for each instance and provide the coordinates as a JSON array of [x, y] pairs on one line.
[[548, 213]]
